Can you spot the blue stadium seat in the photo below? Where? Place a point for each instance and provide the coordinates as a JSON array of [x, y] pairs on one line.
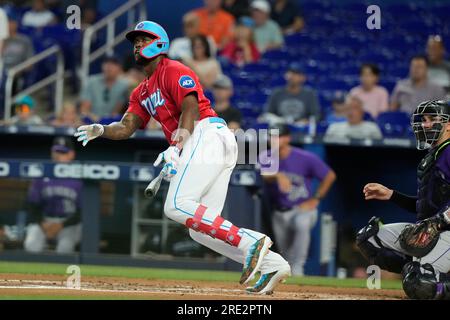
[[393, 124], [276, 54], [332, 85], [277, 81], [322, 127], [352, 69], [257, 98]]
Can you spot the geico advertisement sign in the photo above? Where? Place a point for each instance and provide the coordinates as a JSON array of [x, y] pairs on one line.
[[4, 169], [86, 171]]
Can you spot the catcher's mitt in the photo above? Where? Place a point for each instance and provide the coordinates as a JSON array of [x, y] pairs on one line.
[[420, 238]]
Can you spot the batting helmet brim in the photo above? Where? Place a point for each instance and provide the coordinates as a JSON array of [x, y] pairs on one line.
[[134, 33]]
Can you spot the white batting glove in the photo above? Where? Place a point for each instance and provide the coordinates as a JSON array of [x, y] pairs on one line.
[[89, 132], [171, 157]]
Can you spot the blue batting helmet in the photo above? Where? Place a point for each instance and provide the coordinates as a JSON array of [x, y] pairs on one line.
[[160, 43]]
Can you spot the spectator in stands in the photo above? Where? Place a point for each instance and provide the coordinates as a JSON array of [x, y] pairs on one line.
[[181, 48], [339, 108], [294, 103], [4, 30], [54, 206], [215, 22], [438, 68], [204, 65], [39, 16], [355, 127], [67, 117], [17, 47], [238, 8], [288, 16], [408, 93], [242, 50], [24, 112], [223, 91], [105, 94], [268, 34], [375, 98], [294, 200]]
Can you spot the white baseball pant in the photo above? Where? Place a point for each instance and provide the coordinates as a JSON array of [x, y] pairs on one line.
[[197, 193], [66, 240]]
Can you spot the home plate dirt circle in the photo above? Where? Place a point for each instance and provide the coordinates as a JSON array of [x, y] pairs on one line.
[[92, 287]]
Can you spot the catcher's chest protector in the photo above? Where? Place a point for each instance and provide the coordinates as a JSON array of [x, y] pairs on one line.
[[433, 188]]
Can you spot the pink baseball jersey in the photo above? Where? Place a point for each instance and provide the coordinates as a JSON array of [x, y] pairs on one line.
[[160, 96]]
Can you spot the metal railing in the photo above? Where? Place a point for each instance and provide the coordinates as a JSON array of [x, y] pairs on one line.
[[57, 77], [112, 40]]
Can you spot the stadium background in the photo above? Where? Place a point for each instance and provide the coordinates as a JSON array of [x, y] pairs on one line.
[[331, 47]]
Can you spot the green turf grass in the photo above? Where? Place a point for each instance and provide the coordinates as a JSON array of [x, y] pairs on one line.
[[176, 274]]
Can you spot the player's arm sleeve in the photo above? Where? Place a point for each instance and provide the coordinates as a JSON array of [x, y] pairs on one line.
[[181, 83], [34, 211], [73, 219], [319, 168], [404, 201], [76, 217], [135, 107], [33, 204]]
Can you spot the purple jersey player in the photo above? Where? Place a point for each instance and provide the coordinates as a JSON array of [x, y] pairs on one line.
[[292, 195], [54, 207]]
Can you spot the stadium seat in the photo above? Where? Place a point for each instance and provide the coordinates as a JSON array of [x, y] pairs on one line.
[[276, 55], [393, 124]]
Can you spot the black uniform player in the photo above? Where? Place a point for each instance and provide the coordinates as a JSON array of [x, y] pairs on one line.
[[425, 277]]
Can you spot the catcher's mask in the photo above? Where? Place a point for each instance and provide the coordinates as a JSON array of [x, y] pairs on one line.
[[428, 122]]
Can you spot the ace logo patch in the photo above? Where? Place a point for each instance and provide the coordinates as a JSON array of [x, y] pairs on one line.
[[186, 82]]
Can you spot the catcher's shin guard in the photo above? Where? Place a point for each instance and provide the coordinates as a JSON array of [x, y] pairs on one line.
[[386, 259], [422, 282]]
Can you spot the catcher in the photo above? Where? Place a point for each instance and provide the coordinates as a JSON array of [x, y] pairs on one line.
[[421, 251]]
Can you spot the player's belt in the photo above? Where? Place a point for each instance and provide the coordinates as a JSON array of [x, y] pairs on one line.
[[217, 120], [283, 209]]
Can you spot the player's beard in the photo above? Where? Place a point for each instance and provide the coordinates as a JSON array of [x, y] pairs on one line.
[[141, 61]]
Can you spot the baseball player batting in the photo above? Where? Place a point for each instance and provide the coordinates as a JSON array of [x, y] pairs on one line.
[[421, 251], [199, 161]]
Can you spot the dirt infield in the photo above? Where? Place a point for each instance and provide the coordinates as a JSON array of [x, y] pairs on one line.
[[47, 286]]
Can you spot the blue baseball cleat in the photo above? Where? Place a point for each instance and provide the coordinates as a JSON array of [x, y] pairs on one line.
[[268, 281], [254, 259]]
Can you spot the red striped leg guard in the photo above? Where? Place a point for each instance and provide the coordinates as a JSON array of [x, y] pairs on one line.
[[230, 236]]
